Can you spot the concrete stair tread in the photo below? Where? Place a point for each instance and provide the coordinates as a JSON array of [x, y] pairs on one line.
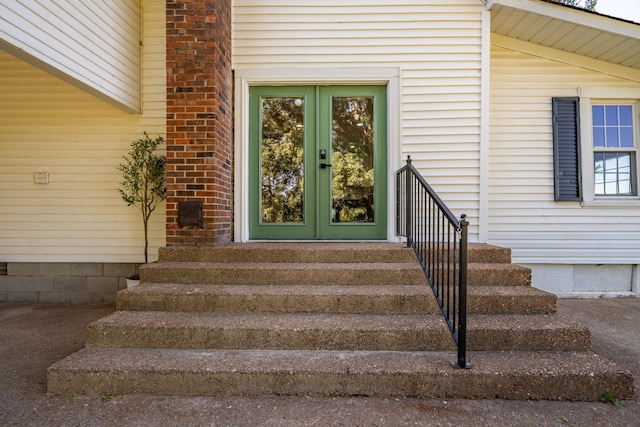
[[485, 274], [282, 273], [379, 252], [285, 265], [320, 289], [319, 251], [270, 331], [378, 298], [271, 321], [482, 252], [278, 298], [328, 321], [507, 291], [410, 265], [526, 332], [277, 290], [492, 266], [504, 375], [515, 322], [331, 331], [510, 300], [283, 289]]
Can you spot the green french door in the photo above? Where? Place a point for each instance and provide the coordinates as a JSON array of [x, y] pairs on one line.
[[318, 162]]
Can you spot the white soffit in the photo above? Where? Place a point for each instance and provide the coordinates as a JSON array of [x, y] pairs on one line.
[[93, 45], [568, 29]]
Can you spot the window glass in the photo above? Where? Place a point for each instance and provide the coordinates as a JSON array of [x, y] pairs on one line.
[[626, 115], [598, 115], [612, 126], [614, 150], [613, 174], [598, 136], [612, 137], [626, 137], [611, 115]]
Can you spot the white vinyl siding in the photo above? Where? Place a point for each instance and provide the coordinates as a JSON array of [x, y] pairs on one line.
[[93, 44], [48, 125], [437, 47], [522, 212]]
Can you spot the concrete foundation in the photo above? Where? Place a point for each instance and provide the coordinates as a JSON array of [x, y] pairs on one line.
[[64, 282]]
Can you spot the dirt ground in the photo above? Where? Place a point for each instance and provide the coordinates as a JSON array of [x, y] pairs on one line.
[[34, 336]]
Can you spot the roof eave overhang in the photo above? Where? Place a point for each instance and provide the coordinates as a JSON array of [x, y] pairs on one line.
[[568, 29]]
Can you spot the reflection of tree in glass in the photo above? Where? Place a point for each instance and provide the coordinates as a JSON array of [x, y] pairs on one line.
[[282, 160], [352, 137]]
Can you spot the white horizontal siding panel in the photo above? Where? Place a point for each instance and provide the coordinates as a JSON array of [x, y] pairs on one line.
[[437, 45], [521, 207], [93, 44], [575, 241], [49, 125]]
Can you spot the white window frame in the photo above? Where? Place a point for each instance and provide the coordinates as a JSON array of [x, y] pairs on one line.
[[607, 96]]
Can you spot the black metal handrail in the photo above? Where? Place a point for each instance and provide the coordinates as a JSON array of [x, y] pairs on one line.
[[439, 240]]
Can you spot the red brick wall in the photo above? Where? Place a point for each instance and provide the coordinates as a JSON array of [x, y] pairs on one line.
[[199, 133]]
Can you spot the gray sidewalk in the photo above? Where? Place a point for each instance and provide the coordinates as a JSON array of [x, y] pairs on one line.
[[34, 336]]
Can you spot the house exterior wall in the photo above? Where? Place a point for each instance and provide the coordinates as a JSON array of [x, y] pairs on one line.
[[48, 125], [572, 247], [499, 171], [436, 46], [92, 44]]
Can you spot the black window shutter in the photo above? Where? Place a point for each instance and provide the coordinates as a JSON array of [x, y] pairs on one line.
[[566, 149]]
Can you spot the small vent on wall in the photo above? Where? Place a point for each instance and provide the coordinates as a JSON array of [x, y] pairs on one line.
[[3, 268]]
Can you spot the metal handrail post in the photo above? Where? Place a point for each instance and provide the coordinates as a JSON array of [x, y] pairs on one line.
[[398, 210], [409, 204], [462, 303]]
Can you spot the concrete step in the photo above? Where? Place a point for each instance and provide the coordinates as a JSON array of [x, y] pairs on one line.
[[479, 274], [279, 298], [291, 253], [283, 273], [178, 372], [270, 331], [493, 274], [321, 252], [377, 299], [544, 332], [309, 331], [481, 252], [510, 300]]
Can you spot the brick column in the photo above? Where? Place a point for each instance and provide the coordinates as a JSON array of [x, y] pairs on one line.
[[199, 132]]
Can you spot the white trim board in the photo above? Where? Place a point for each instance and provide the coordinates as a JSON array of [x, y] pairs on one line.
[[246, 77]]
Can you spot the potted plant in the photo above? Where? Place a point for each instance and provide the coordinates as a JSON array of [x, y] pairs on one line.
[[143, 183]]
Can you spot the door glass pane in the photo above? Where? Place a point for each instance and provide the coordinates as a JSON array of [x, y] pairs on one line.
[[352, 138], [282, 160]]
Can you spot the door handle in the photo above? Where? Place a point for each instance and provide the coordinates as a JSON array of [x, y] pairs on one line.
[[325, 165]]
